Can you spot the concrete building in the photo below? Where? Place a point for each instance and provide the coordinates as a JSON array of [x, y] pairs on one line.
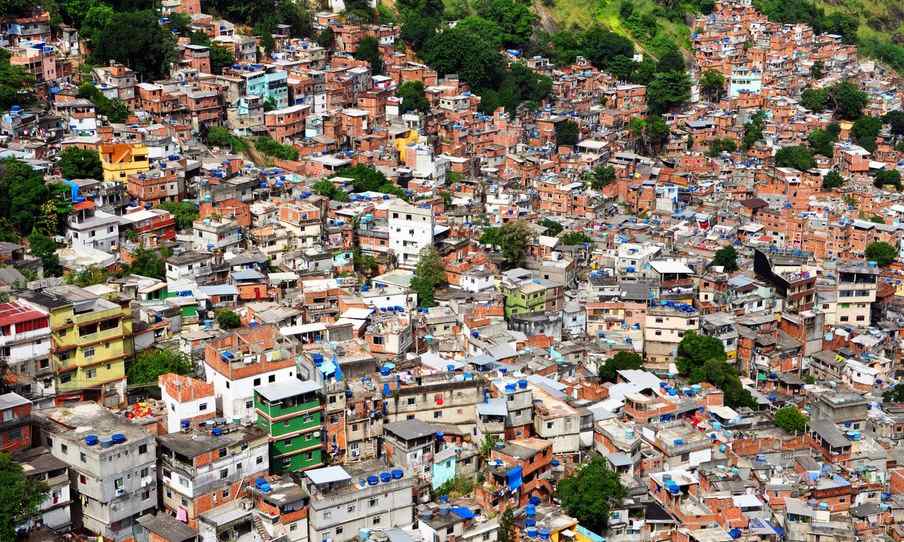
[[25, 345], [368, 495], [113, 465], [55, 511], [410, 231], [15, 419], [89, 228], [186, 400], [291, 413]]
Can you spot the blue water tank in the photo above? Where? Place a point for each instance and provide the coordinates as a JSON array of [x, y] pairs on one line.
[[373, 480], [91, 440], [522, 384], [397, 474], [185, 424], [385, 477], [118, 438], [217, 431]]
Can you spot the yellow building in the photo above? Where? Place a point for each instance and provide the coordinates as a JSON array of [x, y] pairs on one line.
[[119, 160], [91, 337]]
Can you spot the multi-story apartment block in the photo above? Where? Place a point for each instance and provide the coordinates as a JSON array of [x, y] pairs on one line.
[[188, 401], [113, 461], [119, 160], [90, 228], [664, 328], [241, 361], [291, 413], [54, 512], [208, 466], [856, 292], [368, 495], [216, 234], [25, 347], [410, 231], [90, 339]]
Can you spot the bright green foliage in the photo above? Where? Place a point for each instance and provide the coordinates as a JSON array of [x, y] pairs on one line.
[[815, 99], [791, 419], [217, 136], [228, 319], [455, 488], [822, 141], [115, 110], [367, 179], [185, 212], [894, 395], [428, 275], [718, 146], [880, 252], [668, 90], [727, 258], [753, 130], [466, 53], [150, 364], [327, 189], [147, 263], [895, 121], [44, 248], [672, 61], [89, 276], [589, 493], [848, 100], [573, 238], [76, 163], [865, 131], [15, 83], [271, 147], [22, 195], [506, 526], [797, 157], [413, 98], [702, 359], [887, 177], [712, 84], [484, 27], [137, 40], [567, 133], [553, 228], [369, 50], [621, 361], [602, 176], [511, 239], [20, 496], [513, 18], [832, 180]]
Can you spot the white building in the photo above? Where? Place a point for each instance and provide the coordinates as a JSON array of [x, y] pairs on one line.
[[25, 344], [185, 399], [114, 463], [210, 234], [90, 229], [54, 511], [410, 231]]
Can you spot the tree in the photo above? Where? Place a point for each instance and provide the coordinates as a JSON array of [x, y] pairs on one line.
[[817, 70], [217, 136], [228, 319], [880, 252], [865, 131], [553, 228], [814, 99], [894, 395], [417, 30], [574, 238], [137, 40], [15, 83], [511, 239], [115, 110], [466, 53], [44, 248], [89, 276], [712, 84], [567, 133], [513, 18], [702, 359], [726, 258], [369, 50], [147, 263], [428, 274], [791, 420], [668, 90], [796, 156], [97, 18], [327, 189], [823, 141], [695, 350], [600, 46], [413, 98], [326, 38], [602, 176], [185, 213], [76, 163], [20, 496], [220, 57], [753, 129], [672, 61], [887, 177], [589, 493], [621, 361], [22, 193], [832, 180], [848, 100], [895, 120], [271, 147], [484, 27], [152, 363], [718, 146], [506, 526]]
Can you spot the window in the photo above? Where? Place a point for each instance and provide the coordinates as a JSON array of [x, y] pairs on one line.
[[339, 530], [259, 460], [202, 407], [118, 483], [64, 449], [226, 493], [65, 378], [142, 449], [145, 495], [411, 400], [224, 473], [350, 509], [372, 502], [327, 515], [83, 456], [144, 472], [377, 520], [91, 373], [223, 452], [88, 352], [248, 404], [257, 381], [549, 425], [438, 414], [378, 340], [271, 378], [82, 479]]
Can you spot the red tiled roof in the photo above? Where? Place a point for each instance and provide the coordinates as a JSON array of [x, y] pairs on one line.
[[13, 313]]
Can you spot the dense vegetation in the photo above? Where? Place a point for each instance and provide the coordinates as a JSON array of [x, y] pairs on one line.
[[703, 359]]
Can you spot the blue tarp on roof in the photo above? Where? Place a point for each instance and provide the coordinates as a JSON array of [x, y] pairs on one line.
[[514, 478], [463, 512]]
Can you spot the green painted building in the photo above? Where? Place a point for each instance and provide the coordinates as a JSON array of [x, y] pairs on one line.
[[291, 413], [529, 296]]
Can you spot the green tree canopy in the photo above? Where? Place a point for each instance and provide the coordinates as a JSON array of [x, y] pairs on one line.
[[702, 359], [573, 238], [327, 189], [894, 394], [137, 40], [228, 319], [513, 18], [553, 228], [152, 363], [22, 194], [76, 163], [791, 419], [590, 492], [602, 176], [428, 275], [369, 50], [712, 84], [15, 83], [466, 53], [717, 146], [797, 157], [887, 177], [848, 100], [832, 180], [865, 131], [115, 110], [271, 147], [672, 61], [822, 141], [20, 496], [621, 361], [147, 263], [668, 90], [567, 133], [44, 248], [753, 129], [815, 99], [511, 239], [881, 252], [413, 97], [185, 213], [727, 258]]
